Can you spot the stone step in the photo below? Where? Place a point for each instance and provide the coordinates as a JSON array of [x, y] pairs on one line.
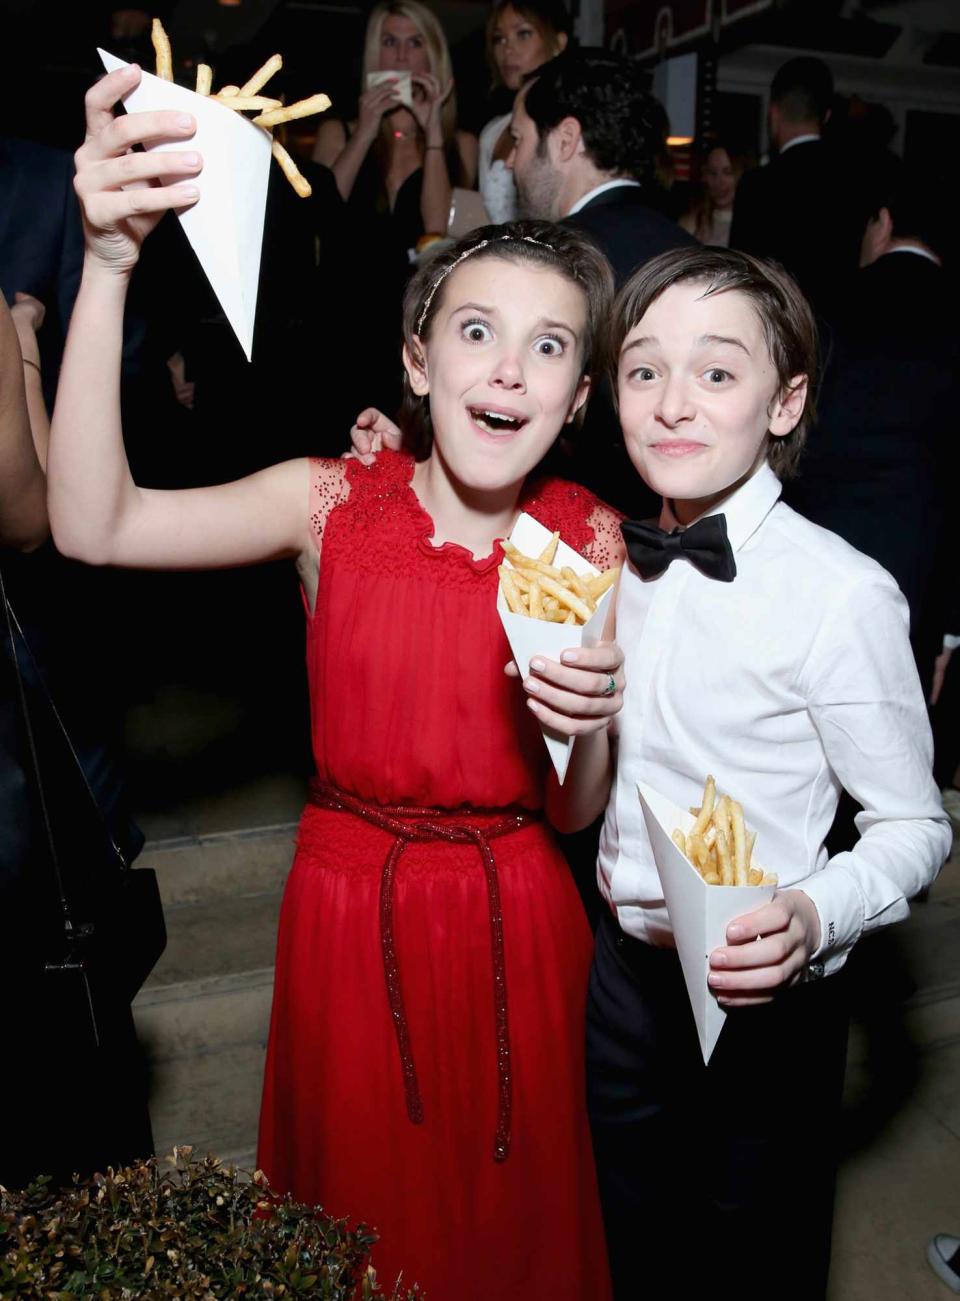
[[205, 1042], [201, 868], [203, 1017]]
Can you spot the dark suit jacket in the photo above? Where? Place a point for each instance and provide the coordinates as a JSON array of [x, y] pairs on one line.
[[41, 239], [803, 210], [882, 459], [630, 232]]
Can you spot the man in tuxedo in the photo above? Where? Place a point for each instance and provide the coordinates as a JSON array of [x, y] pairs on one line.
[[802, 208], [586, 135], [882, 459]]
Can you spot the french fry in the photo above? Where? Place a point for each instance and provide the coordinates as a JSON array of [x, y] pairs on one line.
[[204, 79], [161, 48], [706, 807], [511, 593], [579, 586], [302, 108], [726, 862], [246, 103], [569, 599], [602, 581], [739, 844], [571, 617], [291, 171], [536, 605], [520, 561], [550, 550], [718, 844], [225, 92], [262, 75]]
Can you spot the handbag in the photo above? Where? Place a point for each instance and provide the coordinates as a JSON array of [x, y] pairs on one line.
[[106, 939]]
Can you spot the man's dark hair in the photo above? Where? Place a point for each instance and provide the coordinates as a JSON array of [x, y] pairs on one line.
[[803, 90], [621, 122], [914, 199]]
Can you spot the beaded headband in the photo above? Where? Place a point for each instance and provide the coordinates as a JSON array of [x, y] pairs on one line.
[[498, 239]]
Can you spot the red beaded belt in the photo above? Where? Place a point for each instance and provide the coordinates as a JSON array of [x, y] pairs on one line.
[[407, 824]]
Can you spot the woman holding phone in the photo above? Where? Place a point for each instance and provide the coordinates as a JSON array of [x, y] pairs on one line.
[[398, 161]]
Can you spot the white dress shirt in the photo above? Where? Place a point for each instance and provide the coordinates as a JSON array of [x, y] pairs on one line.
[[789, 683]]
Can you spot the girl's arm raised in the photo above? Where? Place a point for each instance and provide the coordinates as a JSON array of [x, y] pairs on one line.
[[97, 513]]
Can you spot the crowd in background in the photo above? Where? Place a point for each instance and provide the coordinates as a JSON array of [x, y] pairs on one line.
[[568, 135]]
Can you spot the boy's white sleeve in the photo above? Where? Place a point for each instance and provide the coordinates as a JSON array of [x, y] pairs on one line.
[[865, 701]]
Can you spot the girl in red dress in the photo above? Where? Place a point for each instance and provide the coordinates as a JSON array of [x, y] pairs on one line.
[[425, 1067]]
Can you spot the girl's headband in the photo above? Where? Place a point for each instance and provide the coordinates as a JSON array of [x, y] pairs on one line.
[[497, 239]]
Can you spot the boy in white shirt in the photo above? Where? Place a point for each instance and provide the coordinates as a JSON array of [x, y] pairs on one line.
[[774, 656]]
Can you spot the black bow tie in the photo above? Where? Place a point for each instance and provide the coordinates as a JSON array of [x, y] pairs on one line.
[[705, 544]]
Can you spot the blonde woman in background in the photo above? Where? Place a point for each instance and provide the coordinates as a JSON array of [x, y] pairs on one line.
[[397, 164], [710, 218], [520, 38]]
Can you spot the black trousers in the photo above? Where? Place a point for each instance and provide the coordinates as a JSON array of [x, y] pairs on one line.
[[712, 1176]]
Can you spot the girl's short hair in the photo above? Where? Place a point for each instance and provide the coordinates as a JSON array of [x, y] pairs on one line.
[[785, 318], [550, 17], [569, 253], [428, 25]]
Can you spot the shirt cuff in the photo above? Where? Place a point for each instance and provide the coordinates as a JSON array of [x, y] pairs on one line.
[[839, 904], [950, 641]]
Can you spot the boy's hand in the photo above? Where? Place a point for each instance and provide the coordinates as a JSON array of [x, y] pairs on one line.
[[371, 433], [766, 950]]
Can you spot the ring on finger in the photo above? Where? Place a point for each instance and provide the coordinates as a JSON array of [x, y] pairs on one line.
[[611, 686]]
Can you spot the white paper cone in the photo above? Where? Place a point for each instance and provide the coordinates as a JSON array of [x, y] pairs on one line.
[[530, 637], [699, 913], [225, 225]]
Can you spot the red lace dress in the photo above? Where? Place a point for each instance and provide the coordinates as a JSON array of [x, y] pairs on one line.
[[425, 1070]]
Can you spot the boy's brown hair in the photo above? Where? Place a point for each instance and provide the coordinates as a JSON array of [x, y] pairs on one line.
[[785, 318]]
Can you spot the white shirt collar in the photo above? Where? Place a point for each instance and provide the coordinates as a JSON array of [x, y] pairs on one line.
[[912, 248], [744, 510], [607, 185], [798, 140]]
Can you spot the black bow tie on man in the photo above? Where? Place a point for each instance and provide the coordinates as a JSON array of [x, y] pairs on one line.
[[705, 544]]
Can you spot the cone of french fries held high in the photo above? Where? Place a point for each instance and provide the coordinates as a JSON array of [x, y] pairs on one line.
[[704, 860], [225, 225], [550, 600]]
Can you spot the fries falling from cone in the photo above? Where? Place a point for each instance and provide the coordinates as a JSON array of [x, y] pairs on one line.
[[247, 99], [718, 844]]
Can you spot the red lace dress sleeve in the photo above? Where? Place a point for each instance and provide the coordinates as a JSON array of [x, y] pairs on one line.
[[584, 522], [329, 486]]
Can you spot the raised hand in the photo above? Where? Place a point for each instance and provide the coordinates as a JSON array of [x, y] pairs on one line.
[[373, 104], [427, 105], [371, 433], [124, 194]]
